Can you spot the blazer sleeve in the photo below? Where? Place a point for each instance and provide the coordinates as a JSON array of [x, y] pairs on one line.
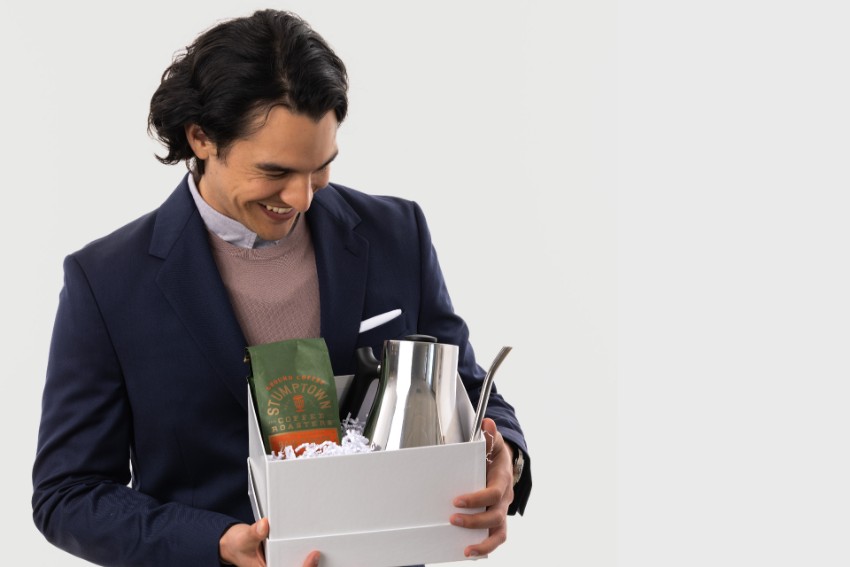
[[82, 498], [437, 317]]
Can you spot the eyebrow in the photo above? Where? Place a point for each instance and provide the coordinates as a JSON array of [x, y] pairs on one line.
[[276, 168]]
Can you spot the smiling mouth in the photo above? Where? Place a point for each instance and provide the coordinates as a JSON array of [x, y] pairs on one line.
[[278, 210]]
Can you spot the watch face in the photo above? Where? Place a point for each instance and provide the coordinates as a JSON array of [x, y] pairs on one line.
[[519, 462]]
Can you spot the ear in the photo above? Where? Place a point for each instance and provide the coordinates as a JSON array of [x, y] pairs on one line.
[[201, 145]]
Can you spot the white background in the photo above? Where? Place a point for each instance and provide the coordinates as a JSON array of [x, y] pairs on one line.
[[647, 200]]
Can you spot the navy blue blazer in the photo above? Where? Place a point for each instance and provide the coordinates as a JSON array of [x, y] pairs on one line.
[[143, 438]]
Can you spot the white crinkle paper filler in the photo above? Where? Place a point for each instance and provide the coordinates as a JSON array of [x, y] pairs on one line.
[[352, 442]]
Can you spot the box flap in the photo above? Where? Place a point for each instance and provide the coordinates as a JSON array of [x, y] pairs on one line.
[[257, 454], [252, 494]]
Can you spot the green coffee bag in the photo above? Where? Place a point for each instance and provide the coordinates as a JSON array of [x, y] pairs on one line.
[[294, 393]]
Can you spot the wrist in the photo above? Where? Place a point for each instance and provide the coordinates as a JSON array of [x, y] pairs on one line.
[[517, 460]]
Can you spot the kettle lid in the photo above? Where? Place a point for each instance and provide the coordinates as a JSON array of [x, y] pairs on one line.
[[421, 338]]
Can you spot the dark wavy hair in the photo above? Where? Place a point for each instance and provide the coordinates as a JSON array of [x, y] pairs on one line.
[[236, 72]]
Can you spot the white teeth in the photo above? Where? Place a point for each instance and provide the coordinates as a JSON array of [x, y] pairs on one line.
[[278, 210]]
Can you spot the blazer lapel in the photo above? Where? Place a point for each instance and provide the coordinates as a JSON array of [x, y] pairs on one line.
[[190, 280], [341, 263]]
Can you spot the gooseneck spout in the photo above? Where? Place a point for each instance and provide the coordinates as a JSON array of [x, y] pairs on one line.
[[485, 392]]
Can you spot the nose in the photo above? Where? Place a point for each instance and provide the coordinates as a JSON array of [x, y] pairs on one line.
[[298, 193]]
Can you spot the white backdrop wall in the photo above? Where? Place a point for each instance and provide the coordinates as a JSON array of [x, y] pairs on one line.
[[647, 200], [480, 111], [733, 279]]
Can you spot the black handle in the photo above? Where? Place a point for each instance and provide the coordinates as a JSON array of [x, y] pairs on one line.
[[421, 338], [368, 369]]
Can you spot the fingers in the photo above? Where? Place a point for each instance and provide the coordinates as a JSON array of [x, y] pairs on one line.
[[499, 474], [242, 544], [483, 498], [261, 528], [496, 538], [495, 519], [312, 560], [261, 531], [491, 518], [494, 498]]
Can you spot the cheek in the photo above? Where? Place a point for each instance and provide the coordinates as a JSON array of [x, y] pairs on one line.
[[321, 179], [259, 190]]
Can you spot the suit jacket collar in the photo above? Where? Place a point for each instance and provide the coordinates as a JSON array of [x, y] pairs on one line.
[[190, 280]]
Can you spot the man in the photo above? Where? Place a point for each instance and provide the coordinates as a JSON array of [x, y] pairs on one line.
[[143, 438]]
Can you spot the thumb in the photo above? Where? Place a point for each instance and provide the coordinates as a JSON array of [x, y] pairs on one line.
[[488, 426], [261, 527]]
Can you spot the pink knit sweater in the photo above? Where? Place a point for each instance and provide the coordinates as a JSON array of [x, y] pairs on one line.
[[274, 290]]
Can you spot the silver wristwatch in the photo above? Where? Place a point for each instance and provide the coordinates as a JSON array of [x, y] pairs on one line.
[[519, 463]]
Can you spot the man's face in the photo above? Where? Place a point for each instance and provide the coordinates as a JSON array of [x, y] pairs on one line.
[[269, 177]]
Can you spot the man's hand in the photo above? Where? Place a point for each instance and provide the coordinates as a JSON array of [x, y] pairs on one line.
[[495, 497], [242, 545]]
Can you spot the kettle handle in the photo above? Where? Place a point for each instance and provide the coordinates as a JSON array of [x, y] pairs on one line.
[[368, 369]]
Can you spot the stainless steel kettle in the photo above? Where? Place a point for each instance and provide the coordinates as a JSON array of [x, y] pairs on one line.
[[415, 398]]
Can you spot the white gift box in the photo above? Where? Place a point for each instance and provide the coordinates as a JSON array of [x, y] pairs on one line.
[[379, 509]]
